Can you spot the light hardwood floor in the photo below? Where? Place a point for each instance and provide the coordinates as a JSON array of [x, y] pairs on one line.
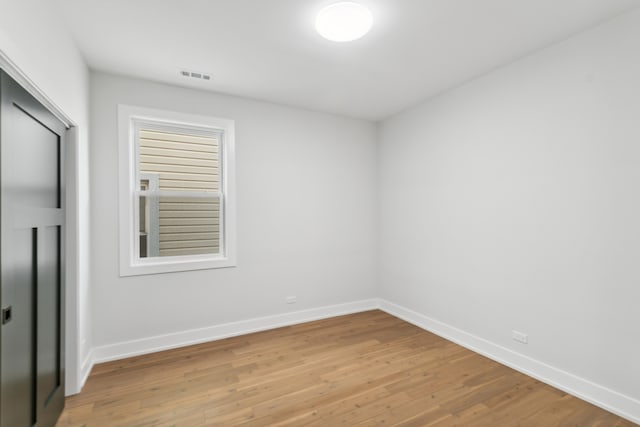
[[362, 369]]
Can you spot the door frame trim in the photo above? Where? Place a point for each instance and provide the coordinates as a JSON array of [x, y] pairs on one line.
[[75, 377], [29, 85]]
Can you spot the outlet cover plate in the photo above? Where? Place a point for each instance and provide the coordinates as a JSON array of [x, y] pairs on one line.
[[520, 337]]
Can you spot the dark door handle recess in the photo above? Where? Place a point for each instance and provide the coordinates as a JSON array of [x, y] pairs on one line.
[[6, 315]]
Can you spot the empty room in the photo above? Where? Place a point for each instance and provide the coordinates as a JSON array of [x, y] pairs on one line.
[[319, 213]]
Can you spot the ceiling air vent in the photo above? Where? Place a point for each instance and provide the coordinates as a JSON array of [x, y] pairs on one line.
[[195, 75]]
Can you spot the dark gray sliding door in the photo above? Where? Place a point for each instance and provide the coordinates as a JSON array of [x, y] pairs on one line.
[[31, 260]]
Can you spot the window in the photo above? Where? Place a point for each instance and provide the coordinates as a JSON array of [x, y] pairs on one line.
[[177, 209]]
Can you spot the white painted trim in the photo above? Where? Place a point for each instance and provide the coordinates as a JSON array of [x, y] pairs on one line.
[[18, 75], [130, 264], [610, 400], [596, 394], [195, 336], [85, 370]]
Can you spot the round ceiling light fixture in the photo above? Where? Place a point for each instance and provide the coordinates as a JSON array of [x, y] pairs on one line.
[[344, 21]]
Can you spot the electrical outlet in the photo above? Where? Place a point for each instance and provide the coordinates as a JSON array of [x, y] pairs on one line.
[[520, 337], [290, 300]]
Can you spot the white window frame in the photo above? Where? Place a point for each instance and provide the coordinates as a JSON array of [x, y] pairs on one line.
[[129, 118]]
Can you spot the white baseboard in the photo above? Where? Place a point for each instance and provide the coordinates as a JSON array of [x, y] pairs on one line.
[[75, 387], [596, 394], [195, 336], [87, 365]]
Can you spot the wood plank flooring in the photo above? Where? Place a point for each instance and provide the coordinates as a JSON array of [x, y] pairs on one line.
[[364, 369]]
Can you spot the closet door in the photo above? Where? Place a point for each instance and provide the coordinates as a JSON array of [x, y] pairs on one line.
[[31, 260]]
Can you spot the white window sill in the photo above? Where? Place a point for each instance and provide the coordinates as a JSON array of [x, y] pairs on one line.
[[174, 264]]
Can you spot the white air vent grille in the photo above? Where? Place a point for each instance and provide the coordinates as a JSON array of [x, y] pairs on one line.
[[195, 75]]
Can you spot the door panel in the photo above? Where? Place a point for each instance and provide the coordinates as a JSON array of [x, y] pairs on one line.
[[31, 260], [38, 151], [48, 314], [17, 355]]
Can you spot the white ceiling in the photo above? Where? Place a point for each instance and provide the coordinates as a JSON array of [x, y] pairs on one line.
[[269, 50]]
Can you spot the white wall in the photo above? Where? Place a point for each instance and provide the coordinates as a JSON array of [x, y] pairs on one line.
[[305, 200], [34, 39], [509, 203], [513, 203]]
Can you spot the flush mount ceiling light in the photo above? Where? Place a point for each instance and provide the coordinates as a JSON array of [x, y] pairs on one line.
[[344, 21]]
